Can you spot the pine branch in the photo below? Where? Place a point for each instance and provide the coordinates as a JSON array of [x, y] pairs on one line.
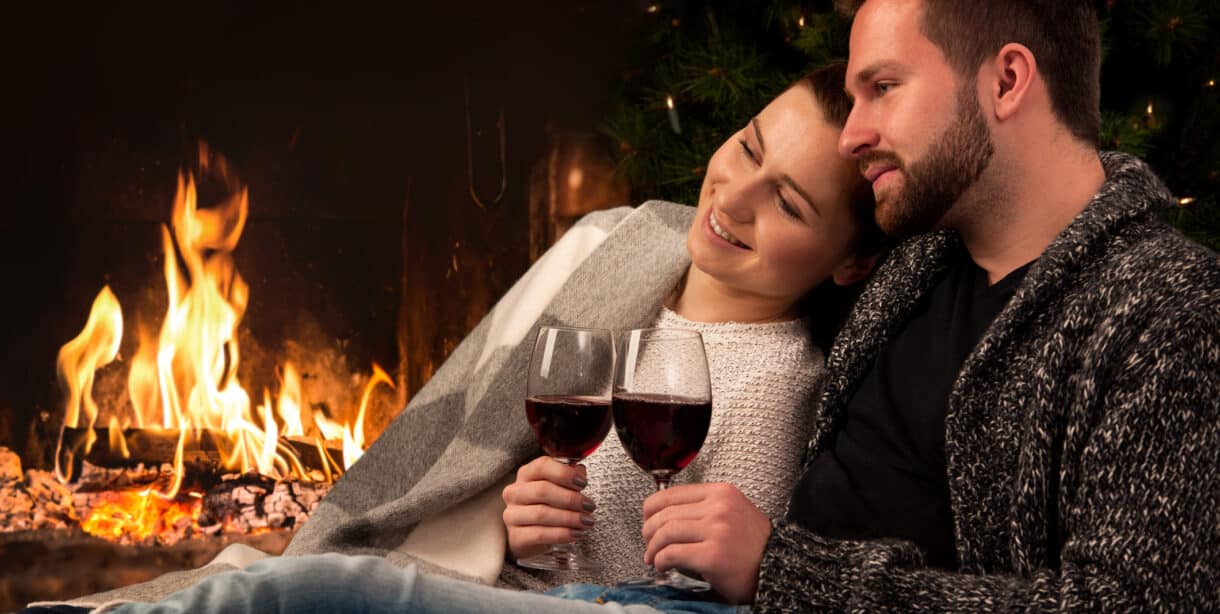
[[1170, 25]]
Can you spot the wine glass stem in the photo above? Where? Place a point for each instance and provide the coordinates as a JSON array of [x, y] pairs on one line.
[[569, 550], [662, 484]]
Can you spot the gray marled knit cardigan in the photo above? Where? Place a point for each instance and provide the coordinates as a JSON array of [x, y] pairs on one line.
[[1082, 435]]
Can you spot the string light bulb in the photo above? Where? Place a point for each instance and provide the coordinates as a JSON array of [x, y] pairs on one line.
[[654, 8], [674, 124], [801, 21], [1211, 83], [1186, 200]]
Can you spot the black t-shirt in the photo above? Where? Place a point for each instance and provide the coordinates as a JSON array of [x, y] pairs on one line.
[[884, 473]]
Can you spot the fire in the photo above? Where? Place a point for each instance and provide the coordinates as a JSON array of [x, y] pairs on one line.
[[95, 347], [184, 377], [140, 515]]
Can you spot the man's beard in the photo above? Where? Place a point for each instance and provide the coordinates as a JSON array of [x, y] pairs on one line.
[[935, 183]]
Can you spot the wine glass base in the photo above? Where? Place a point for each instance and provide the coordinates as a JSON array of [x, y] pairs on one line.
[[671, 578], [560, 560]]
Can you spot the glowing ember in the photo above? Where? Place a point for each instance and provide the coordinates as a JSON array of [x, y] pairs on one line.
[[140, 515], [184, 377]]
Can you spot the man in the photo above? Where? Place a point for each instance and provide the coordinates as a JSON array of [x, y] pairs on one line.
[[1021, 414]]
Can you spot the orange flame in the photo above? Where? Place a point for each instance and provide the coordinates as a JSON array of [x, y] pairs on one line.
[[95, 347], [140, 515], [185, 377]]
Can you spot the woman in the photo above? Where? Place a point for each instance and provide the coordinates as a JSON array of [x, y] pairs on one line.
[[778, 215], [780, 220]]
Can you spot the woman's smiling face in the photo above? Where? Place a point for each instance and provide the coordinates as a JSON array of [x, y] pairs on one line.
[[775, 214]]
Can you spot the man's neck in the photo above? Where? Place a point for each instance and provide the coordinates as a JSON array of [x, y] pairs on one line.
[[701, 298], [1012, 222]]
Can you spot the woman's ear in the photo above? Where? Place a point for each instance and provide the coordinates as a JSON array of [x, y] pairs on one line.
[[854, 270]]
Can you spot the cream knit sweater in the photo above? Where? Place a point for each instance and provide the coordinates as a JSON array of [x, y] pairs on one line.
[[763, 377]]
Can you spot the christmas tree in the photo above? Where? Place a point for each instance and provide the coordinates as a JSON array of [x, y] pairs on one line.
[[704, 68]]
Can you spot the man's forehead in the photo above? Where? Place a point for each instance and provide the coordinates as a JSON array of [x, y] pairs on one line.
[[880, 24], [886, 35]]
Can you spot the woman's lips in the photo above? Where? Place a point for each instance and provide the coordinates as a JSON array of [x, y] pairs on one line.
[[712, 227]]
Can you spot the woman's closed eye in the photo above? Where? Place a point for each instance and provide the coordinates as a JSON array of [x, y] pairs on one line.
[[749, 153], [786, 207]]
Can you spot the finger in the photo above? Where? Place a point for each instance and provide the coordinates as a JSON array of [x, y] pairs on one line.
[[675, 545], [682, 556], [523, 538], [677, 495], [542, 515], [689, 512], [546, 493], [551, 470]]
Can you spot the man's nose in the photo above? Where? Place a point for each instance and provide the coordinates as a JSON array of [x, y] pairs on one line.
[[858, 136]]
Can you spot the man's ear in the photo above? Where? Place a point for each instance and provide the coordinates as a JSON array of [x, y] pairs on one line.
[[1010, 76], [854, 270]]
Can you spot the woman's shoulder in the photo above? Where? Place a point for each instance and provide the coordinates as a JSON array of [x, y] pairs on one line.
[[652, 212]]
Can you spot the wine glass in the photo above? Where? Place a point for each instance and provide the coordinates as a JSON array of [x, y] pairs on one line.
[[662, 409], [567, 402]]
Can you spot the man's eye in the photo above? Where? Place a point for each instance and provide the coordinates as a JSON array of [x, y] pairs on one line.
[[883, 87], [745, 148]]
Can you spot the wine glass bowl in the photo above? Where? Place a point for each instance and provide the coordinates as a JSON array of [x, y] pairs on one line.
[[662, 405], [567, 404], [661, 433]]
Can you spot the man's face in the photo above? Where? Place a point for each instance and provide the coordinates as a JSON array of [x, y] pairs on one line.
[[916, 130]]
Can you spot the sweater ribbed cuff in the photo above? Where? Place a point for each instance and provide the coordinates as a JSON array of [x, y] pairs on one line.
[[801, 571]]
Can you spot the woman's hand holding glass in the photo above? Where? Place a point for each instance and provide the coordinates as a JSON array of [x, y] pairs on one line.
[[567, 403], [544, 506]]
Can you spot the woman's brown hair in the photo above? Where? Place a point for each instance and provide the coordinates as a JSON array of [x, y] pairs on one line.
[[829, 303]]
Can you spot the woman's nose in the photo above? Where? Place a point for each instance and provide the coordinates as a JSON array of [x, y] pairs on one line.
[[739, 197]]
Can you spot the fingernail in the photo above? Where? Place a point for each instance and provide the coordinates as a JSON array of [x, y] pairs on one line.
[[579, 532], [580, 482], [589, 505], [586, 520]]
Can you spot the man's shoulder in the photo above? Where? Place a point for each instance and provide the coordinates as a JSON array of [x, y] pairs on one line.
[[1159, 275], [1161, 257]]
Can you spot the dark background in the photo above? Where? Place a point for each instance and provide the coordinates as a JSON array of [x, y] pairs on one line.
[[347, 123]]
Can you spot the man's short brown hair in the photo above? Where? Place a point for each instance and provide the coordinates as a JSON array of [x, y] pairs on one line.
[[1064, 36]]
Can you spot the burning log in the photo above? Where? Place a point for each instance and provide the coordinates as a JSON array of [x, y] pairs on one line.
[[153, 447], [251, 502], [32, 500], [124, 504], [94, 478]]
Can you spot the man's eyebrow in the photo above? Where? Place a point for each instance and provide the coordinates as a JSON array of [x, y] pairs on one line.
[[867, 73], [796, 188], [758, 133]]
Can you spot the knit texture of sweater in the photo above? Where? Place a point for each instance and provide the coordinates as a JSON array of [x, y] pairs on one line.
[[1082, 437], [763, 380]]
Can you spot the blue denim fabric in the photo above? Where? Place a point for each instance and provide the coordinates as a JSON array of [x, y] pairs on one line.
[[333, 583], [660, 598]]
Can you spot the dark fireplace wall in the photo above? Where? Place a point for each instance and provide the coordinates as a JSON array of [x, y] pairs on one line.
[[349, 127]]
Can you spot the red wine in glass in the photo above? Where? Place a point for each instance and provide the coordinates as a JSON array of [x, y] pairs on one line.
[[662, 405], [568, 427], [661, 433], [567, 404]]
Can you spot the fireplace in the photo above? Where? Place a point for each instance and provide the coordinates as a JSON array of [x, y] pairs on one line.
[[403, 169]]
